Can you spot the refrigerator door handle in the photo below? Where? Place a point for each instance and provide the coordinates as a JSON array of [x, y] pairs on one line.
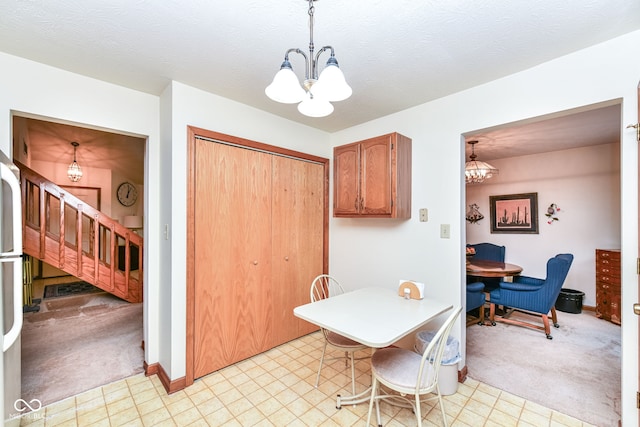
[[16, 226], [12, 335]]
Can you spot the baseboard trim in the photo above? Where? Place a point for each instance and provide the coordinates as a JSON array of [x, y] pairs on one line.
[[150, 369], [462, 374], [169, 386]]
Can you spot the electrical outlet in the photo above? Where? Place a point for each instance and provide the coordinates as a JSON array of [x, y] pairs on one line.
[[445, 231], [424, 215]]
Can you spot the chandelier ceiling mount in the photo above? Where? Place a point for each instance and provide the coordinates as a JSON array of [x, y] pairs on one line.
[[315, 94]]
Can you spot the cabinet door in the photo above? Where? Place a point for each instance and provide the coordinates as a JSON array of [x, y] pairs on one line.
[[375, 179], [232, 226], [298, 242], [346, 180]]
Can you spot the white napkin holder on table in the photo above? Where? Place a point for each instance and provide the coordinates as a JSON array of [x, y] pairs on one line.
[[411, 289]]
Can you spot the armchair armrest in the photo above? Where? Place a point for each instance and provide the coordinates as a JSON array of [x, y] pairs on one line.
[[528, 280], [475, 287], [521, 287]]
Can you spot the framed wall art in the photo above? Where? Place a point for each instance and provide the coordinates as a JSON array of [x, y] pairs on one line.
[[514, 213]]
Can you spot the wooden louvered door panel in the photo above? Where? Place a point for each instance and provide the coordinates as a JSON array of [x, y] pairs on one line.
[[232, 248], [298, 242]]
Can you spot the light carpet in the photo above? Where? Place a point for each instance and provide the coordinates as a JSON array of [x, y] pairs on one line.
[[578, 372], [78, 343]]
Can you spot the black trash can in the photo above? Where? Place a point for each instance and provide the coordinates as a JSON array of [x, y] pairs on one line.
[[570, 301]]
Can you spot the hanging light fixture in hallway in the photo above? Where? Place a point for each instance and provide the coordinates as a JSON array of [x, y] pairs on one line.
[[74, 171], [318, 92], [476, 171]]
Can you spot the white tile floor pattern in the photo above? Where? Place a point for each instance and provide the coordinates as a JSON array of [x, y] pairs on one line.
[[275, 388]]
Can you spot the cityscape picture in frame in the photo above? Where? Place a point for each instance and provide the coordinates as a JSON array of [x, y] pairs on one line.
[[514, 213]]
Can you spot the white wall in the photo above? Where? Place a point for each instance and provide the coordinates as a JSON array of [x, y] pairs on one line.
[[367, 252], [584, 183]]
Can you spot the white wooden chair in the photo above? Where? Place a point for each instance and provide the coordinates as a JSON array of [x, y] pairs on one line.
[[325, 286], [406, 372]]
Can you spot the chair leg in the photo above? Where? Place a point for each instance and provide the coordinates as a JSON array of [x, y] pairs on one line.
[[547, 328], [374, 386], [353, 376], [324, 349], [492, 314], [554, 317], [418, 412], [444, 414], [481, 322]]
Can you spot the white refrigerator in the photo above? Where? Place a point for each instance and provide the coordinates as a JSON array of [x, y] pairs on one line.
[[11, 295]]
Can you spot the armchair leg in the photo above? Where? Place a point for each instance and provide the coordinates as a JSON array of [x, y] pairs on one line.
[[547, 329], [554, 317], [492, 314]]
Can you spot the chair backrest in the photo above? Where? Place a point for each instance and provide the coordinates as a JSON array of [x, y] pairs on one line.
[[488, 252], [324, 286], [557, 270], [432, 356]]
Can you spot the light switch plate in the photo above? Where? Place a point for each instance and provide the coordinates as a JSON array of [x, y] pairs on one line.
[[445, 231]]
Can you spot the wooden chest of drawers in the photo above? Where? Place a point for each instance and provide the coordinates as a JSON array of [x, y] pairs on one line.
[[608, 285]]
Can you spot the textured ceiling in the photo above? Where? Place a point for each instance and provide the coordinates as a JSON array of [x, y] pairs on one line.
[[395, 54]]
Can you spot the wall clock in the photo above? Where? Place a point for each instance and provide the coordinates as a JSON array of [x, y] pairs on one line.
[[127, 194]]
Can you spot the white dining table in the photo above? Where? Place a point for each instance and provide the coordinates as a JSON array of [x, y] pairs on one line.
[[376, 317]]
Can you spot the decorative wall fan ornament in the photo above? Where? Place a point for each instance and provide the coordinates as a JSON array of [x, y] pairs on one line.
[[473, 214]]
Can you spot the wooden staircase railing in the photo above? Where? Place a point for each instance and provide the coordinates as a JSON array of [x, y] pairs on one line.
[[62, 230]]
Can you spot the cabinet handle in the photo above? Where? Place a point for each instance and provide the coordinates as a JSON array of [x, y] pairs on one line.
[[255, 262], [286, 258], [355, 204], [361, 204]]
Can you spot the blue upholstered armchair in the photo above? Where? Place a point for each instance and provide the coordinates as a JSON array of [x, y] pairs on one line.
[[476, 299], [489, 252], [533, 296]]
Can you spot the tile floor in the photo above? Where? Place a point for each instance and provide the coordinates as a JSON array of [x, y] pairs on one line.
[[276, 388]]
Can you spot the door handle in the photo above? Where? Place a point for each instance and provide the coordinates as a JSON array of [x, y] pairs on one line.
[[636, 308]]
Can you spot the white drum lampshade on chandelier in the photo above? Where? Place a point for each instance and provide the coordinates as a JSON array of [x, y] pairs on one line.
[[315, 95]]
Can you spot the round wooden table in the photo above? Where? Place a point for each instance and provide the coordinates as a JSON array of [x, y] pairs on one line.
[[484, 268]]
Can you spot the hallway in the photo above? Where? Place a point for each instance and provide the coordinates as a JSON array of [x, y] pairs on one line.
[[76, 343]]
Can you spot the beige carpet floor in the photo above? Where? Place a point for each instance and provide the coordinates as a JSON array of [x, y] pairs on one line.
[[77, 343], [578, 372]]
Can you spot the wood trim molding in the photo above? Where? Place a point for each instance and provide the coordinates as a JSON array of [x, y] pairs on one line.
[[462, 374], [169, 386], [150, 369]]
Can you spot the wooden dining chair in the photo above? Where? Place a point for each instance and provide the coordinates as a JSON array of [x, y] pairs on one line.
[[406, 372], [322, 287]]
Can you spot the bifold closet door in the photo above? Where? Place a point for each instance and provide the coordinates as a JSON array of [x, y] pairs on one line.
[[232, 226], [298, 241]]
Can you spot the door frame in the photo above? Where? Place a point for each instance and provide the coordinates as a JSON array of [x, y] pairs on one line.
[[193, 133]]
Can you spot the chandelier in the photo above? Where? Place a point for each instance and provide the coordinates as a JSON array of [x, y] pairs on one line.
[[74, 171], [315, 95], [476, 171]]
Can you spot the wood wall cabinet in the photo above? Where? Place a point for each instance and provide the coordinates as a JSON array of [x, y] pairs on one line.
[[258, 242], [608, 282], [372, 178]]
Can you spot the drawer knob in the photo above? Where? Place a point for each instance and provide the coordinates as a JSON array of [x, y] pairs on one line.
[[636, 308]]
